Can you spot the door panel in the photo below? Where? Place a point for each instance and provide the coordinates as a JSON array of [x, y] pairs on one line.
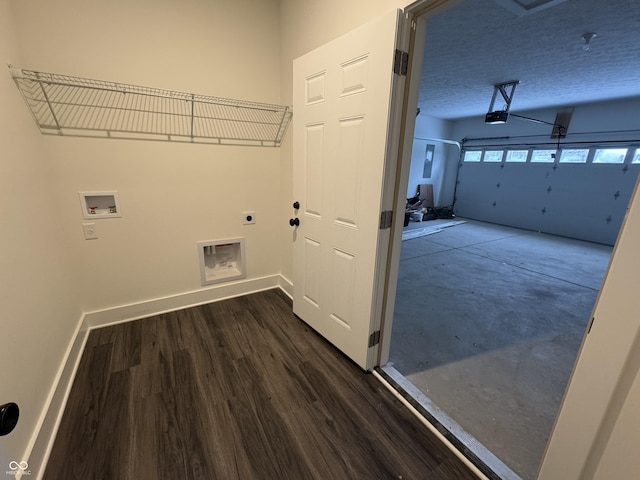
[[342, 94]]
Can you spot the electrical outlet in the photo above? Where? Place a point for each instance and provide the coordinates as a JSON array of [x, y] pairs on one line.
[[90, 232], [248, 218]]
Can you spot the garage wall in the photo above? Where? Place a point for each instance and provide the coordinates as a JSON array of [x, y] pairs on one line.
[[583, 201], [428, 131]]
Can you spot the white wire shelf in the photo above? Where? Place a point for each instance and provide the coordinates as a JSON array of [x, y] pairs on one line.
[[74, 106]]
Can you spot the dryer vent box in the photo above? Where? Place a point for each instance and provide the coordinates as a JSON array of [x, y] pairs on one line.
[[221, 260]]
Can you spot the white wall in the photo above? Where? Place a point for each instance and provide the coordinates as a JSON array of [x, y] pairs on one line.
[[171, 195], [40, 309]]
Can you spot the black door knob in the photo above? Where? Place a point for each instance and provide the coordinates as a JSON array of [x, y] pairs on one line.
[[294, 222], [296, 205]]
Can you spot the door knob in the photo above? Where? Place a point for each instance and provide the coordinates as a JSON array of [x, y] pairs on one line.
[[296, 205], [294, 222]]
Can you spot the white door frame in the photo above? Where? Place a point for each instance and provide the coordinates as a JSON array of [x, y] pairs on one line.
[[394, 192]]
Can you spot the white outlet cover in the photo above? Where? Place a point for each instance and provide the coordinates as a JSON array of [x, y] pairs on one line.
[[90, 232]]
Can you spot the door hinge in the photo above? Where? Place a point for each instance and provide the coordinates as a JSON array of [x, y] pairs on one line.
[[386, 217], [374, 338], [401, 63]]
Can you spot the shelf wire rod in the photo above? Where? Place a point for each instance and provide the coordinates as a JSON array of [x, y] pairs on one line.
[[248, 121], [192, 113], [97, 111], [84, 110], [142, 115], [55, 119], [117, 111], [121, 104], [159, 117], [128, 110], [107, 112], [83, 98], [71, 112], [225, 128], [153, 118], [201, 126], [216, 129], [175, 119], [77, 110], [186, 122], [133, 117], [82, 85], [101, 115], [168, 109], [130, 116], [169, 120], [94, 109], [280, 133], [156, 117], [213, 124], [110, 113]]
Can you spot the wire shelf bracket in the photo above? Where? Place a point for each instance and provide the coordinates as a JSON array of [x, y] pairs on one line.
[[82, 107]]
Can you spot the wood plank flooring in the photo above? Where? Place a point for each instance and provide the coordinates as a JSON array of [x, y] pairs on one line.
[[238, 389]]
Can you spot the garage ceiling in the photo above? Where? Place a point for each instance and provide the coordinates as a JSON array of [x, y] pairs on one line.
[[480, 43]]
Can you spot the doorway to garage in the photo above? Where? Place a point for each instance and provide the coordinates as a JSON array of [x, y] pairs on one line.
[[490, 313]]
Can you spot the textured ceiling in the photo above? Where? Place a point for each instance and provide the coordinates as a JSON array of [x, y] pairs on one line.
[[479, 43]]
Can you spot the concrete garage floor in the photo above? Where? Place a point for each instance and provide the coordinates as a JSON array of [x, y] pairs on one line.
[[487, 325]]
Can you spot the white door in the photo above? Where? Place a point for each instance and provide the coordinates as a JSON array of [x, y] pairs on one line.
[[341, 103]]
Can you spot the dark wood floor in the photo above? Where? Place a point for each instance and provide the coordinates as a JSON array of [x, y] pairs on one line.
[[239, 389]]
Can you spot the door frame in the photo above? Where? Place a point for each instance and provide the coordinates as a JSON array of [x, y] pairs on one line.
[[567, 454], [403, 114]]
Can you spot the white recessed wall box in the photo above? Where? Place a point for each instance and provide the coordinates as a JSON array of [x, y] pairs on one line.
[[221, 260], [100, 205]]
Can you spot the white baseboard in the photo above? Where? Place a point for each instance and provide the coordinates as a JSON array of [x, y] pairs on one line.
[[41, 443], [286, 286], [42, 440], [156, 306]]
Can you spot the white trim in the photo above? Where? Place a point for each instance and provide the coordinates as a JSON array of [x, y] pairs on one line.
[[156, 306], [468, 440], [432, 429], [44, 435], [286, 286]]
